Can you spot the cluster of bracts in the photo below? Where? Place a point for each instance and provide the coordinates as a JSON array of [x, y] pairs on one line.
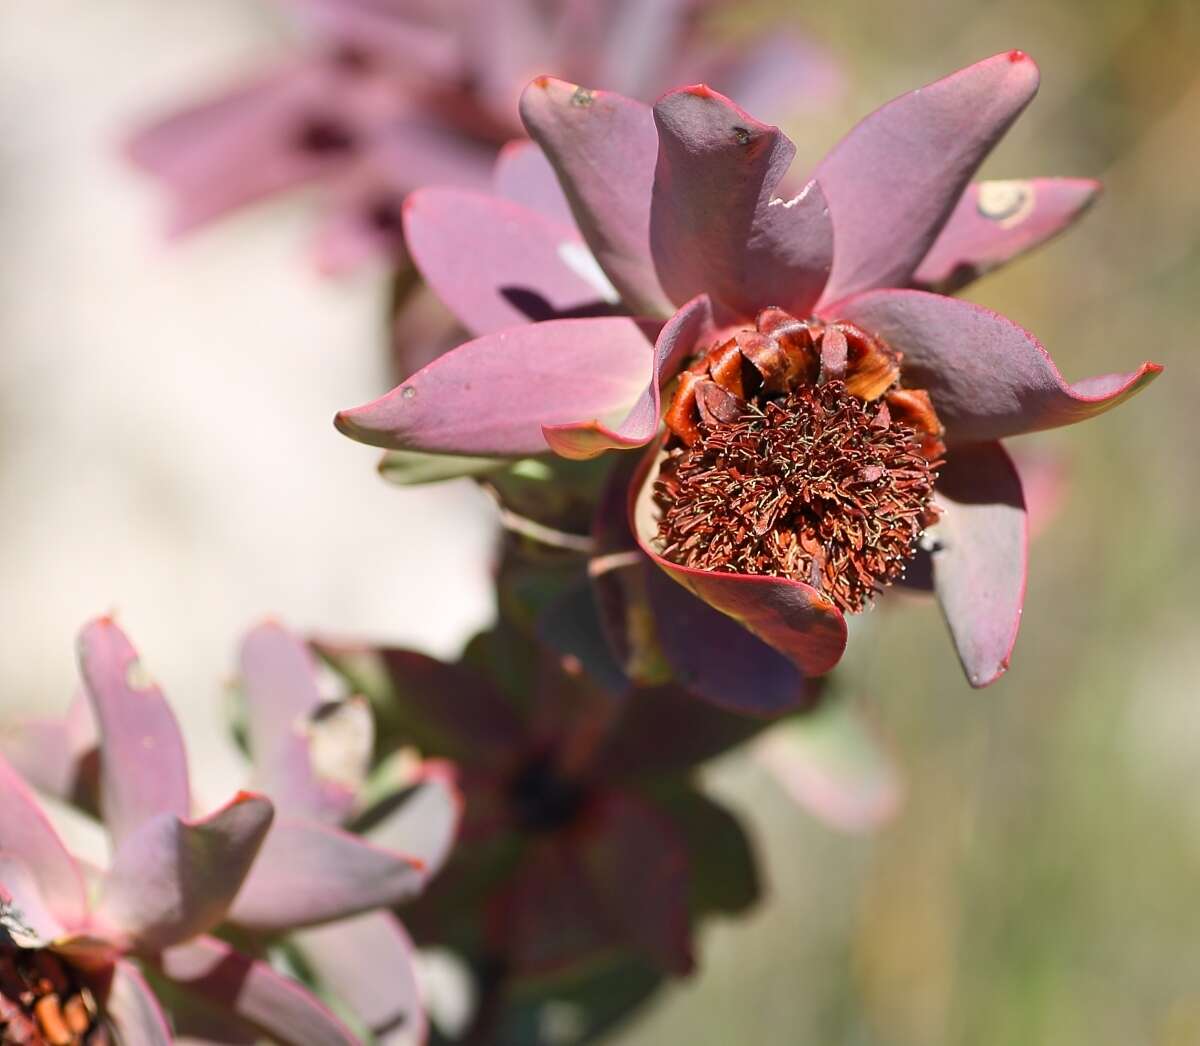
[[712, 437]]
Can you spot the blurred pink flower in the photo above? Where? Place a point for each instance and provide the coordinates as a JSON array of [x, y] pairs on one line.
[[328, 887], [791, 352], [68, 931], [383, 97]]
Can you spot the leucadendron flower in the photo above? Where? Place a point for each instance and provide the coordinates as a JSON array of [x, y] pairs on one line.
[[328, 890], [586, 841], [75, 941], [827, 418], [379, 98]]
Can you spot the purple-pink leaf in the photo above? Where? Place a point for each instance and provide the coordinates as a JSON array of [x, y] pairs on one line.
[[280, 683], [264, 137], [893, 180], [143, 764], [25, 917], [682, 336], [716, 658], [603, 147], [497, 264], [995, 222], [716, 223], [423, 825], [832, 762], [369, 964], [794, 618], [172, 879], [523, 175], [279, 1007], [308, 873], [134, 1009], [56, 756], [987, 377], [627, 840], [493, 395], [309, 756], [980, 555]]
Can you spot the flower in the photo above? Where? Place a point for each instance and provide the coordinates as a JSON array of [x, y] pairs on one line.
[[69, 934], [834, 419], [328, 888], [585, 840], [381, 98]]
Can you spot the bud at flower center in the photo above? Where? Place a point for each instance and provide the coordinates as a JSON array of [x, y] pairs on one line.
[[794, 453]]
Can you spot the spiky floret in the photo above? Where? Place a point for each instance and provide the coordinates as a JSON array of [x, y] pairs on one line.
[[816, 485]]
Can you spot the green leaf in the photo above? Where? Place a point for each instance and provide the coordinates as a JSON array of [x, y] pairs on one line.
[[410, 468]]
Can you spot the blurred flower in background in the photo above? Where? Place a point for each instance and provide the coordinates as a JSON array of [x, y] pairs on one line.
[[381, 97], [70, 933]]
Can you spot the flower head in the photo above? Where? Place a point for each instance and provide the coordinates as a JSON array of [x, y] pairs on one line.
[[70, 934], [381, 98], [575, 790], [783, 307], [327, 888]]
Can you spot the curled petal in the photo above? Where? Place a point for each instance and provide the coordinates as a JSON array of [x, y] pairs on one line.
[[308, 873], [143, 764], [794, 618], [716, 658], [832, 762], [279, 677], [172, 879], [603, 147], [995, 222], [368, 962], [680, 337], [24, 916], [252, 990], [134, 1009], [27, 835], [57, 756], [497, 264], [893, 180], [979, 553], [523, 175], [309, 755], [716, 225], [987, 377], [423, 822], [493, 395]]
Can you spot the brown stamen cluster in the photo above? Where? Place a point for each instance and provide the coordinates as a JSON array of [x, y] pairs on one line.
[[794, 452], [42, 1003]]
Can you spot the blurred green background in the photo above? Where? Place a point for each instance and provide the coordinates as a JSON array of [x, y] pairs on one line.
[[1041, 884]]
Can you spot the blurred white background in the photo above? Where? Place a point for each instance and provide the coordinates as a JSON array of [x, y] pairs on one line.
[[166, 446]]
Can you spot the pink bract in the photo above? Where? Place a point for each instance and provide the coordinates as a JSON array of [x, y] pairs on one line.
[[173, 877], [381, 98], [687, 210]]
